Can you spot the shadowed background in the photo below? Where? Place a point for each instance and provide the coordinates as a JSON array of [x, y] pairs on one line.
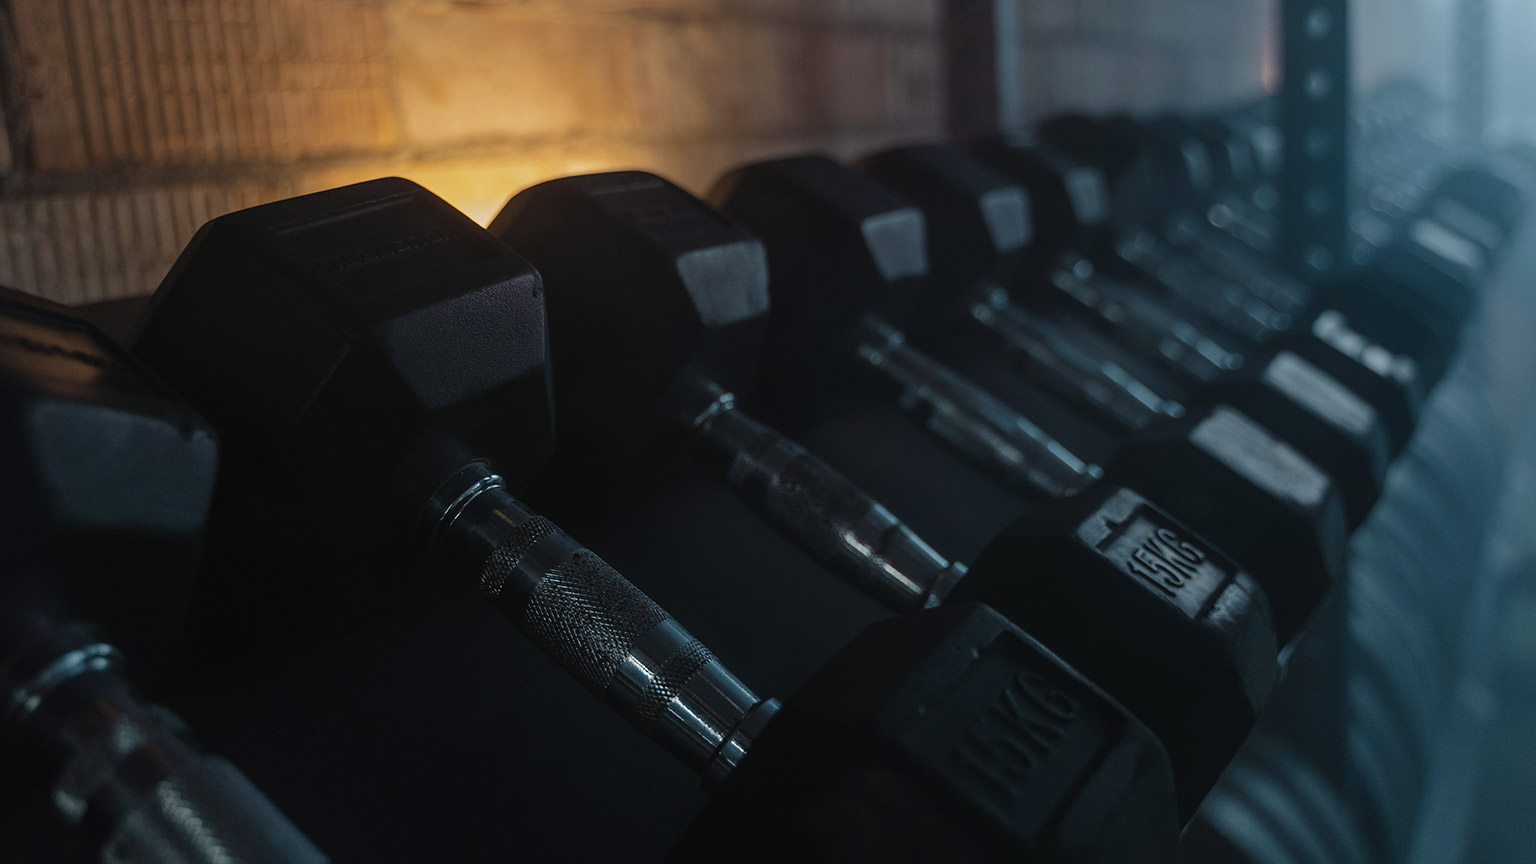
[[128, 123]]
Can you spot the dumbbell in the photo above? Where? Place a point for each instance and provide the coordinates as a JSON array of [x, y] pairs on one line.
[[1389, 380], [1479, 202], [1176, 326], [1396, 296], [949, 734], [1348, 348], [1357, 307], [1484, 202], [1172, 171], [964, 203], [847, 258], [1333, 341], [1162, 175], [630, 261], [657, 307], [107, 483], [1239, 221]]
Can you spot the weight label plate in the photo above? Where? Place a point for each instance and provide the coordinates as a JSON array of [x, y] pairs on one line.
[[1015, 733], [1170, 561]]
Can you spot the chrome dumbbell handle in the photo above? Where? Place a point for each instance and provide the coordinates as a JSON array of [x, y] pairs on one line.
[[603, 630]]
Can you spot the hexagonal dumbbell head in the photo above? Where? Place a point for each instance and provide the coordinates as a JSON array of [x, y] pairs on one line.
[[1150, 612], [1327, 422], [1232, 155], [658, 305], [838, 246], [1389, 382], [1344, 440], [1117, 146], [1414, 297], [979, 243], [977, 219], [107, 480], [1485, 204], [1221, 473], [1263, 475], [648, 331], [353, 347], [1188, 163], [1113, 141], [947, 735], [1067, 197]]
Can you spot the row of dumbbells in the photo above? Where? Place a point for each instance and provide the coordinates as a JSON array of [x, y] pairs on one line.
[[1188, 433], [1364, 788]]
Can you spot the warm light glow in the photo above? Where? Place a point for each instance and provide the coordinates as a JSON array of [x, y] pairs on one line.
[[1269, 57], [480, 185]]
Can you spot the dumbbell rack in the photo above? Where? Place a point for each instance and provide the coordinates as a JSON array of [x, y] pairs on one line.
[[1415, 633], [430, 732], [1314, 104]]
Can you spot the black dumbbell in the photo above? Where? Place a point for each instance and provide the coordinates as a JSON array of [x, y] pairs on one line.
[[964, 202], [1484, 202], [657, 307], [1432, 275], [107, 483], [1229, 226], [395, 306], [1166, 187], [630, 261], [988, 714], [1461, 219], [1171, 330], [1479, 201], [1332, 341], [848, 258], [1434, 254]]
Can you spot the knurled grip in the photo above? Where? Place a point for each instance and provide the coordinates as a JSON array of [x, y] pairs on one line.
[[823, 512], [660, 690], [601, 629], [580, 611], [123, 773], [801, 494], [204, 811]]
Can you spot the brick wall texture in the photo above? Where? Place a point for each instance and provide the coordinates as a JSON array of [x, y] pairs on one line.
[[129, 122]]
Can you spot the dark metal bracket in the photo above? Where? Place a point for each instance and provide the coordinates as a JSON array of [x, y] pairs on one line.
[[1472, 75], [1314, 109]]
